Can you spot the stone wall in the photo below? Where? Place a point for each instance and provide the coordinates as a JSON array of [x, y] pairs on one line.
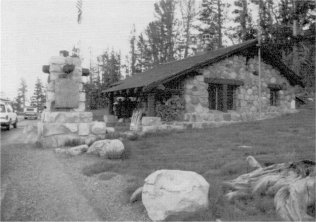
[[246, 96], [58, 128]]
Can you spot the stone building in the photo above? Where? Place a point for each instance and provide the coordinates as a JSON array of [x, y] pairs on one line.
[[221, 85]]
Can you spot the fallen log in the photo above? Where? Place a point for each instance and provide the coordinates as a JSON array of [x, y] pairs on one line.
[[291, 184]]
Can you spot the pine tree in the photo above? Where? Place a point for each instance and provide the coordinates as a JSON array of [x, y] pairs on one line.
[[156, 44], [38, 99], [188, 14], [212, 19], [133, 56], [21, 97], [244, 30]]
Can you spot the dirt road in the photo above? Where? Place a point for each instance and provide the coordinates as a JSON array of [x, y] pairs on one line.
[[34, 186]]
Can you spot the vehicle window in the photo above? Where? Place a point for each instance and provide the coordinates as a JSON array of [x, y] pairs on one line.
[[2, 108]]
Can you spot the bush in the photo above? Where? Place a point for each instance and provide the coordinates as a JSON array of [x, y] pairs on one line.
[[171, 110]]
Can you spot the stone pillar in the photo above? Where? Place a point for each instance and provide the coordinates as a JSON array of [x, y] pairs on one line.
[[225, 98], [151, 101], [65, 119]]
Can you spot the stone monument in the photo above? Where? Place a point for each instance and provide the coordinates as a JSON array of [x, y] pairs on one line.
[[65, 118]]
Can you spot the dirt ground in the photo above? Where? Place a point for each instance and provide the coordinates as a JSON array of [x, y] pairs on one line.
[[35, 185]]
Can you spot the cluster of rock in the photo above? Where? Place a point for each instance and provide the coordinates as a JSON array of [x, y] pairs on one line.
[[110, 149], [57, 128], [173, 194]]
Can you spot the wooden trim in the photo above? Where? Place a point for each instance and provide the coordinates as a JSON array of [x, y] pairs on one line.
[[275, 86], [151, 99], [85, 72], [225, 98], [167, 90], [111, 102], [224, 81]]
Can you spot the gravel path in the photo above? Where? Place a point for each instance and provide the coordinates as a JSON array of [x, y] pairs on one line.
[[40, 185], [35, 187]]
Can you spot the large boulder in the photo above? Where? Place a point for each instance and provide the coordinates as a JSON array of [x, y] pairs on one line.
[[112, 149], [174, 193]]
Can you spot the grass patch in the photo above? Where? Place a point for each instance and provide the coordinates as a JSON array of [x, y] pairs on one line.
[[107, 175], [99, 167], [214, 153]]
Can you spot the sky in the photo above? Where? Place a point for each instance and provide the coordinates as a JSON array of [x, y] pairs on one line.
[[32, 31]]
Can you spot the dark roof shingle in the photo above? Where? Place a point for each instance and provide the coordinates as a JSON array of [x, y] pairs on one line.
[[168, 71]]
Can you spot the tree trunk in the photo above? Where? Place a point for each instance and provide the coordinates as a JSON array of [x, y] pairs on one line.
[[219, 20], [292, 185]]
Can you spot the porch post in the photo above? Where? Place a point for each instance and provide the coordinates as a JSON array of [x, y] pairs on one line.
[[111, 101], [151, 100], [225, 98]]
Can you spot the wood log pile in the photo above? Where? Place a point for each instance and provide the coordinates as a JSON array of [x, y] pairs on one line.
[[291, 184]]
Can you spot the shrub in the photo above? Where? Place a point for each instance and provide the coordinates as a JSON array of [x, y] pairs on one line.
[[171, 110], [74, 142]]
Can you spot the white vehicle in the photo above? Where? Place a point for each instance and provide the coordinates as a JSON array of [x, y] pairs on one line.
[[7, 116], [30, 113]]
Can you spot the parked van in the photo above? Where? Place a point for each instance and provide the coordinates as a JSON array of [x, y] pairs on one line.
[[30, 113], [7, 116]]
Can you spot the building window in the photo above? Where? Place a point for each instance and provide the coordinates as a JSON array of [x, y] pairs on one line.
[[222, 97], [274, 97]]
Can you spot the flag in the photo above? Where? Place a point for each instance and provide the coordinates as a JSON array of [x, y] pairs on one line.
[[79, 7]]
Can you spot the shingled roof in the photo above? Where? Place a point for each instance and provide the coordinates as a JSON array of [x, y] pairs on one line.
[[168, 71]]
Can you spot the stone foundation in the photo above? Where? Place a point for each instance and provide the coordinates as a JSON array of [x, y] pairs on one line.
[[58, 128]]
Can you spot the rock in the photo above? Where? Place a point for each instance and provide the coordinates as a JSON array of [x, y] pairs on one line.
[[252, 162], [50, 129], [109, 118], [98, 128], [84, 129], [111, 149], [150, 129], [73, 151], [60, 150], [89, 140], [110, 130], [77, 150], [273, 80], [227, 117], [151, 121], [137, 195], [85, 117], [57, 60], [174, 193]]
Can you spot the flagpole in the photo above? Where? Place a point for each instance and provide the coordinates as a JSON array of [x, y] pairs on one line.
[[79, 19], [259, 67]]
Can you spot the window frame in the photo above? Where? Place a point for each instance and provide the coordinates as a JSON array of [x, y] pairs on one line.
[[274, 97], [219, 102]]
